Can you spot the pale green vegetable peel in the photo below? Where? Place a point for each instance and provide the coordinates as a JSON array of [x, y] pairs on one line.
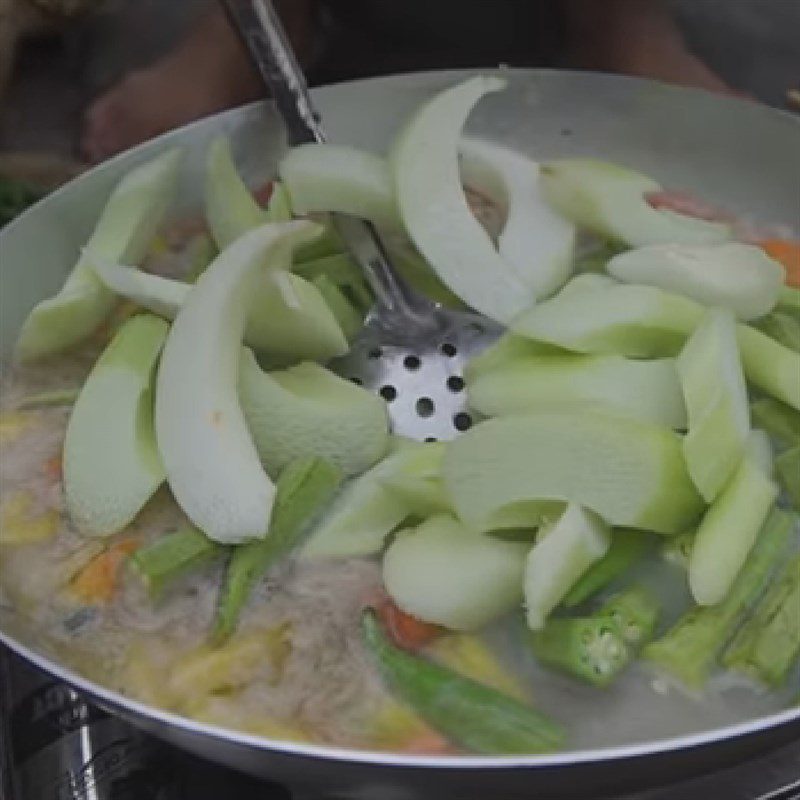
[[111, 462], [212, 465], [123, 232], [309, 411]]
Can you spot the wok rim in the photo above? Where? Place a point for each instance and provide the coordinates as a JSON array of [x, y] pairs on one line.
[[113, 700]]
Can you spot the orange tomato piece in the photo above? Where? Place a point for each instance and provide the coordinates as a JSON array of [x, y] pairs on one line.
[[405, 630], [97, 581], [788, 253]]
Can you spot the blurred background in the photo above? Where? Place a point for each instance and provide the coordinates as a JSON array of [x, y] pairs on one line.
[[56, 64]]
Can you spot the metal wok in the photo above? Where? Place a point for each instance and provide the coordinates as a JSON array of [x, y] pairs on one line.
[[744, 156]]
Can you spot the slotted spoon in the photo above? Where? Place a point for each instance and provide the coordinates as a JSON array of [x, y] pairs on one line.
[[411, 351]]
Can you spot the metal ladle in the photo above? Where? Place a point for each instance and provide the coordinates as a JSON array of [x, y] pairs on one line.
[[411, 351]]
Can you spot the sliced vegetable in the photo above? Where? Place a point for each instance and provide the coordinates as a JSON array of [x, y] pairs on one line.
[[305, 328], [627, 547], [418, 273], [111, 462], [206, 670], [689, 650], [611, 200], [587, 648], [203, 251], [441, 572], [122, 233], [646, 390], [469, 655], [367, 510], [97, 581], [740, 277], [631, 473], [729, 529], [596, 649], [783, 327], [350, 319], [19, 526], [279, 209], [346, 180], [434, 209], [405, 630], [423, 495], [344, 273], [634, 321], [505, 352], [787, 252], [231, 209], [562, 554], [716, 400], [634, 612], [777, 419], [677, 550], [212, 464], [470, 714], [306, 410], [768, 644], [789, 300], [172, 556], [769, 365], [535, 241], [787, 465], [304, 487]]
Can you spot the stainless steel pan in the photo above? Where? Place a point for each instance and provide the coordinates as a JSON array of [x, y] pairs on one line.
[[744, 156]]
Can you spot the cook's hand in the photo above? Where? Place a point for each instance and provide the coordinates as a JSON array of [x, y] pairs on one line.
[[635, 37]]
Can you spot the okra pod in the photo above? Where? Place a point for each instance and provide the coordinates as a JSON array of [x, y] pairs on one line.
[[304, 486], [596, 649], [627, 547], [172, 556], [470, 714], [779, 420], [589, 648], [787, 465], [689, 650], [635, 614], [768, 644]]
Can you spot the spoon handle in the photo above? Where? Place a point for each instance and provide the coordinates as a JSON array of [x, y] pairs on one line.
[[264, 36]]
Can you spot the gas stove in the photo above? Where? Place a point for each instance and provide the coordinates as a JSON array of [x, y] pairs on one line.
[[55, 746]]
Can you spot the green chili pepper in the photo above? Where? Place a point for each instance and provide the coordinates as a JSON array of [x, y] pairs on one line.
[[304, 486], [470, 714], [779, 420], [787, 465], [768, 644], [689, 650], [627, 547], [596, 649], [173, 556]]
